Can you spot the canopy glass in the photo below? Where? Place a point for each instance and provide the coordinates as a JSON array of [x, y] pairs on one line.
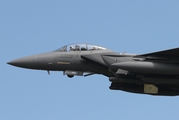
[[79, 47]]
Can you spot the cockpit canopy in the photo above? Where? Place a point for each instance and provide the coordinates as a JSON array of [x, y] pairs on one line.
[[80, 47]]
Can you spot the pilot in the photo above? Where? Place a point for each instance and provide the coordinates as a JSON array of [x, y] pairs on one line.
[[94, 48], [77, 47], [71, 48]]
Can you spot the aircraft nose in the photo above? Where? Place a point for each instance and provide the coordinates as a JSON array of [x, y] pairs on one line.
[[25, 62]]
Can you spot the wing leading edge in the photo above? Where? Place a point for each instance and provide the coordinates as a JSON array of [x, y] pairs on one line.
[[166, 53]]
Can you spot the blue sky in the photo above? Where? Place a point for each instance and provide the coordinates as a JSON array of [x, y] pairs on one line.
[[37, 26]]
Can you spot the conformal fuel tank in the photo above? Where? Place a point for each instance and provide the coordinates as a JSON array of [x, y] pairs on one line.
[[148, 67]]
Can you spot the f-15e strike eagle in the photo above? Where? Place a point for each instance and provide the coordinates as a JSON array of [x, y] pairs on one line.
[[154, 73]]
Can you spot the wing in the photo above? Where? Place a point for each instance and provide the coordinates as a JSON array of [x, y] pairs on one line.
[[166, 53]]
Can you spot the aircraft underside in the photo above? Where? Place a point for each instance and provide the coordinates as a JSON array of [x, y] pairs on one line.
[[146, 84]]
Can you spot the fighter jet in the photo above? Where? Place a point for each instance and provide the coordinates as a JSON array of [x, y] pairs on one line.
[[153, 73]]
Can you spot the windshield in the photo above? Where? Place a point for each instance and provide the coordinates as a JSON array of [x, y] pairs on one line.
[[79, 47]]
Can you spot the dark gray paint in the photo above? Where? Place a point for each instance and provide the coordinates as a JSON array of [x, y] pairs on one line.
[[127, 72]]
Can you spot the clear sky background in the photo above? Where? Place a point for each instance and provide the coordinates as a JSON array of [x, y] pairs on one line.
[[37, 26]]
